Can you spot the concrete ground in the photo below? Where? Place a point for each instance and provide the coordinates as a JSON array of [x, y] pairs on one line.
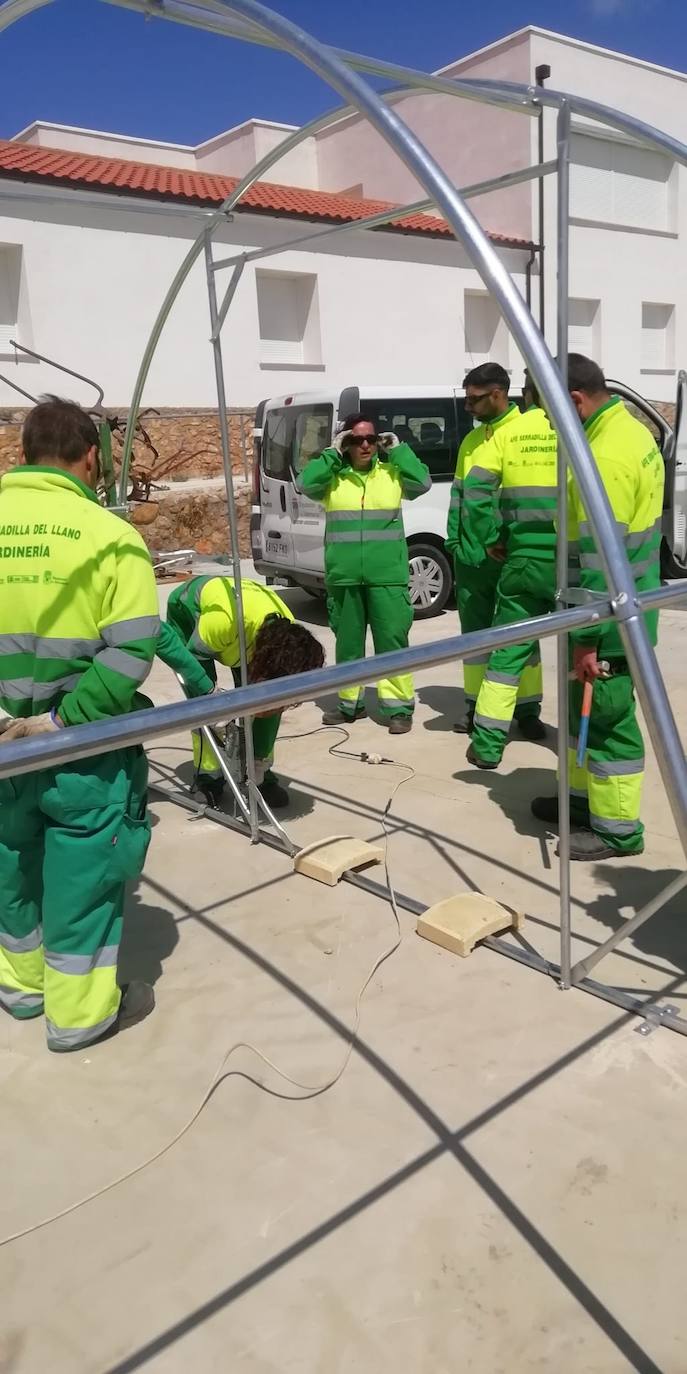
[[494, 1185]]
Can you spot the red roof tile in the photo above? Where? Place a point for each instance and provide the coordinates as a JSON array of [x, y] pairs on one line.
[[30, 162]]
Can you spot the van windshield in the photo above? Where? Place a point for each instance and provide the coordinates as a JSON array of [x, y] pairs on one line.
[[292, 435], [434, 428]]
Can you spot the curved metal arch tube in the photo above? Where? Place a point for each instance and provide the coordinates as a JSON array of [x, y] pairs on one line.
[[197, 247], [211, 17], [12, 10], [639, 651], [512, 95]]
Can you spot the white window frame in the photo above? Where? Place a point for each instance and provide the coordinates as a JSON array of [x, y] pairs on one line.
[[659, 363], [303, 350], [498, 350], [11, 266]]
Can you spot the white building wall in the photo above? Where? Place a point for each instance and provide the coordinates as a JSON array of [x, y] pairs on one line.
[[470, 141], [102, 144], [93, 281], [621, 262], [234, 153]]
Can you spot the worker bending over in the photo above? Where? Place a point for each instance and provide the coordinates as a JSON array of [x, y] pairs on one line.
[[361, 481], [78, 634], [477, 573], [510, 509], [605, 794], [203, 613]]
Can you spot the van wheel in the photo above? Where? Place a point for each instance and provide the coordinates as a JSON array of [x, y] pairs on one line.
[[431, 580]]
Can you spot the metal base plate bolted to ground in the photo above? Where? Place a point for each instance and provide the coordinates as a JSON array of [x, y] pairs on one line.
[[655, 1018]]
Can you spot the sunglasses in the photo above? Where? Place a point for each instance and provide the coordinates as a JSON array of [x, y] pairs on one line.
[[359, 439], [472, 400]]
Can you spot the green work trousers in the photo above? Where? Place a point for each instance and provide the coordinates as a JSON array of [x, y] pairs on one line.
[[388, 613], [513, 678], [476, 598], [70, 839], [606, 792], [264, 730]]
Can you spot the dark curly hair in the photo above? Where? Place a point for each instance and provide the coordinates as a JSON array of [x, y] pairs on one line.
[[283, 647]]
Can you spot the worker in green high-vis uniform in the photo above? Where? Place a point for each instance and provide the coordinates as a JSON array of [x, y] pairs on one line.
[[78, 634], [510, 510], [361, 481], [476, 573], [606, 792], [202, 619]]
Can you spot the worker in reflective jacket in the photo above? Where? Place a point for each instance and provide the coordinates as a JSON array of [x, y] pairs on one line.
[[203, 619], [476, 573], [78, 634], [605, 793], [361, 481], [510, 509]]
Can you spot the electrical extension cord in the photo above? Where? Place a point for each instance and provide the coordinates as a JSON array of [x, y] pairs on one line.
[[307, 1090]]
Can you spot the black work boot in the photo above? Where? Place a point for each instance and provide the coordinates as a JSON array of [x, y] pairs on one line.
[[465, 724], [400, 725], [531, 727], [337, 717], [588, 847], [271, 789], [473, 757], [212, 789]]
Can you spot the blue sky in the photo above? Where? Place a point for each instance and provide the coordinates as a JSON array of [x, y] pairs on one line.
[[88, 63]]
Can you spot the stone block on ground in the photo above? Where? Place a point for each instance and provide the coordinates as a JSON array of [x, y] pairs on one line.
[[459, 922]]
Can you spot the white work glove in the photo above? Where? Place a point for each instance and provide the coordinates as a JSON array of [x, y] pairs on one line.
[[28, 725], [341, 441], [388, 440]]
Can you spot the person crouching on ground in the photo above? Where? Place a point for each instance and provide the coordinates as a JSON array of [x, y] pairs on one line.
[[203, 614]]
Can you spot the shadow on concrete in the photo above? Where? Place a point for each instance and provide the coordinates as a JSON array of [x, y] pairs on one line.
[[447, 1142], [149, 936], [309, 609], [448, 705], [663, 935], [513, 792]]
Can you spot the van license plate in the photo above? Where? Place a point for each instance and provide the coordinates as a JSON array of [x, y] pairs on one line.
[[277, 548]]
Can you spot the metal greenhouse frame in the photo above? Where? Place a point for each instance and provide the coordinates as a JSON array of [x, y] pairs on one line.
[[253, 22]]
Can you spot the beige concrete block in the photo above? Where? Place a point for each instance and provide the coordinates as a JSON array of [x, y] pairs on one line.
[[459, 922], [327, 860]]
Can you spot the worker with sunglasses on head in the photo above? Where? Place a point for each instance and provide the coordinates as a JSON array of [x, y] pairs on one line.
[[477, 567], [361, 481]]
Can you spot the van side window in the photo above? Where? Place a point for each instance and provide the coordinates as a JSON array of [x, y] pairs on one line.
[[277, 443], [313, 433], [430, 427]]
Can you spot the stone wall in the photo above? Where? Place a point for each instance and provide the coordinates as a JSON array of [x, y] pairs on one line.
[[187, 443], [195, 519]]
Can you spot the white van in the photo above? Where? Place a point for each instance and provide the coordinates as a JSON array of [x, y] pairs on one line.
[[287, 529]]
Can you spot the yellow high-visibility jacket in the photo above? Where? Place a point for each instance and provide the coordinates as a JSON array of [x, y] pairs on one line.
[[365, 542], [460, 540], [79, 618], [203, 610], [632, 471], [510, 491]]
